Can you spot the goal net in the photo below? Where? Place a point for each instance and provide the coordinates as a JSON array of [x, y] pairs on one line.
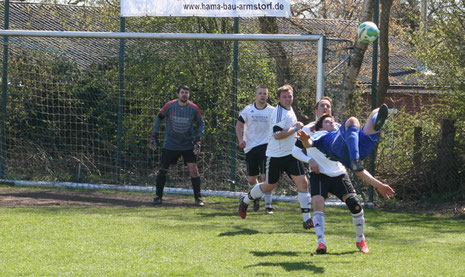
[[74, 114]]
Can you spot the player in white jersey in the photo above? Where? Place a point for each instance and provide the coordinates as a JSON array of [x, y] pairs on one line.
[[280, 159], [253, 134], [329, 176]]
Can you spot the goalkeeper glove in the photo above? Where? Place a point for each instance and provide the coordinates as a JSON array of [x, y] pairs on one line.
[[154, 142]]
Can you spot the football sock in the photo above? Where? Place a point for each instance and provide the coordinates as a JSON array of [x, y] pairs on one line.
[[352, 142], [319, 225], [359, 224], [160, 183], [196, 187], [373, 119], [255, 193], [304, 201], [268, 199]]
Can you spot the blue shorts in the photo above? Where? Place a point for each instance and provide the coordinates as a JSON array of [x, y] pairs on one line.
[[334, 145]]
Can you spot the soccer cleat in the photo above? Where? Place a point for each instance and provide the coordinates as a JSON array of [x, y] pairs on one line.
[[256, 205], [157, 200], [243, 208], [381, 118], [321, 249], [308, 224], [199, 202], [269, 211], [362, 246], [356, 165]]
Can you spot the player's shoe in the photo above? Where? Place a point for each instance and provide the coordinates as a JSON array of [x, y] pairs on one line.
[[321, 249], [157, 200], [243, 208], [362, 246], [256, 204], [356, 165], [199, 202], [381, 118], [269, 211], [308, 224]]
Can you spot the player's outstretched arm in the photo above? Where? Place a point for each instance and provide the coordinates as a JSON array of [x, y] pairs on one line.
[[385, 190]]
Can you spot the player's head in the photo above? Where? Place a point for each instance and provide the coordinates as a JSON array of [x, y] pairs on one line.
[[325, 122], [324, 105], [261, 94], [183, 93], [286, 96]]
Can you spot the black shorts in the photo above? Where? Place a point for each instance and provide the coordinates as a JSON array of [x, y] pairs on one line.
[[321, 184], [169, 157], [276, 166], [255, 160]]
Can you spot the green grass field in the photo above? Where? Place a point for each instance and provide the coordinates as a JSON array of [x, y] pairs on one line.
[[214, 241]]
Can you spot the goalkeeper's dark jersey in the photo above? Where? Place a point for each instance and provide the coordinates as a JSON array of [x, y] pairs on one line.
[[180, 121]]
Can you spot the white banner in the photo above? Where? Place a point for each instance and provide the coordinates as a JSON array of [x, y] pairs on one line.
[[206, 8]]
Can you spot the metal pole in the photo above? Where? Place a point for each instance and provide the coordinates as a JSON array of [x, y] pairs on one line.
[[160, 36], [4, 88], [374, 87], [120, 98], [320, 79], [233, 177]]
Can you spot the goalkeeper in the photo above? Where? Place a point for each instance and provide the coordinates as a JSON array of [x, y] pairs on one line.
[[181, 139]]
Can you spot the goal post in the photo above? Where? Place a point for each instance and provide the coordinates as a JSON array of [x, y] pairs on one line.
[[61, 124]]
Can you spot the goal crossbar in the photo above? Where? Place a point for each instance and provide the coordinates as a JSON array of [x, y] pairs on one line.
[[320, 83]]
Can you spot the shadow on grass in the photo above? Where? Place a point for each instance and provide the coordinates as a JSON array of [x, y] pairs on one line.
[[294, 266], [276, 253], [240, 231]]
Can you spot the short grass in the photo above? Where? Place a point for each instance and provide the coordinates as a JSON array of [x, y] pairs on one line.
[[214, 241]]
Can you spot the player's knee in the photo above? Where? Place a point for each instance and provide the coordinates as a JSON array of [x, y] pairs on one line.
[[352, 121], [353, 203]]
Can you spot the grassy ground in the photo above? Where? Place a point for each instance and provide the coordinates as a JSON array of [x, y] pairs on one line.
[[214, 241]]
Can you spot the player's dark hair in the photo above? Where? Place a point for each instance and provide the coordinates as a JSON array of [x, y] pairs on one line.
[[319, 122], [285, 88], [184, 87]]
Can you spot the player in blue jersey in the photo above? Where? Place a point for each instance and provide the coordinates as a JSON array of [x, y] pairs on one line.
[[181, 139], [349, 144]]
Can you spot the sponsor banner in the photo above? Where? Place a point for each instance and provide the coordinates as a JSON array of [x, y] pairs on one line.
[[206, 8]]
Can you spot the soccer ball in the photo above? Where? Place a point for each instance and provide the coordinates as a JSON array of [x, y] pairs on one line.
[[367, 32]]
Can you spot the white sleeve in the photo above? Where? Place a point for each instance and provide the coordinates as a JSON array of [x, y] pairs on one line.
[[299, 154], [244, 113]]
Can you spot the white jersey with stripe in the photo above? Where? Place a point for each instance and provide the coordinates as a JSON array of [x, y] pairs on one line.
[[257, 129], [281, 119], [326, 166]]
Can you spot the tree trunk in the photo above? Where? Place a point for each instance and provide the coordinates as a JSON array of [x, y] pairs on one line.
[[384, 51], [269, 25], [355, 63]]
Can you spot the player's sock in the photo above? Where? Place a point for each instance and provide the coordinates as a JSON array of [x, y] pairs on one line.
[[351, 134], [359, 224], [268, 199], [319, 225], [196, 187], [304, 200], [255, 193], [160, 183]]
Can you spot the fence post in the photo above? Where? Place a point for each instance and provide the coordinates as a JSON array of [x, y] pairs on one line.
[[6, 11], [417, 155], [120, 98], [446, 166]]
